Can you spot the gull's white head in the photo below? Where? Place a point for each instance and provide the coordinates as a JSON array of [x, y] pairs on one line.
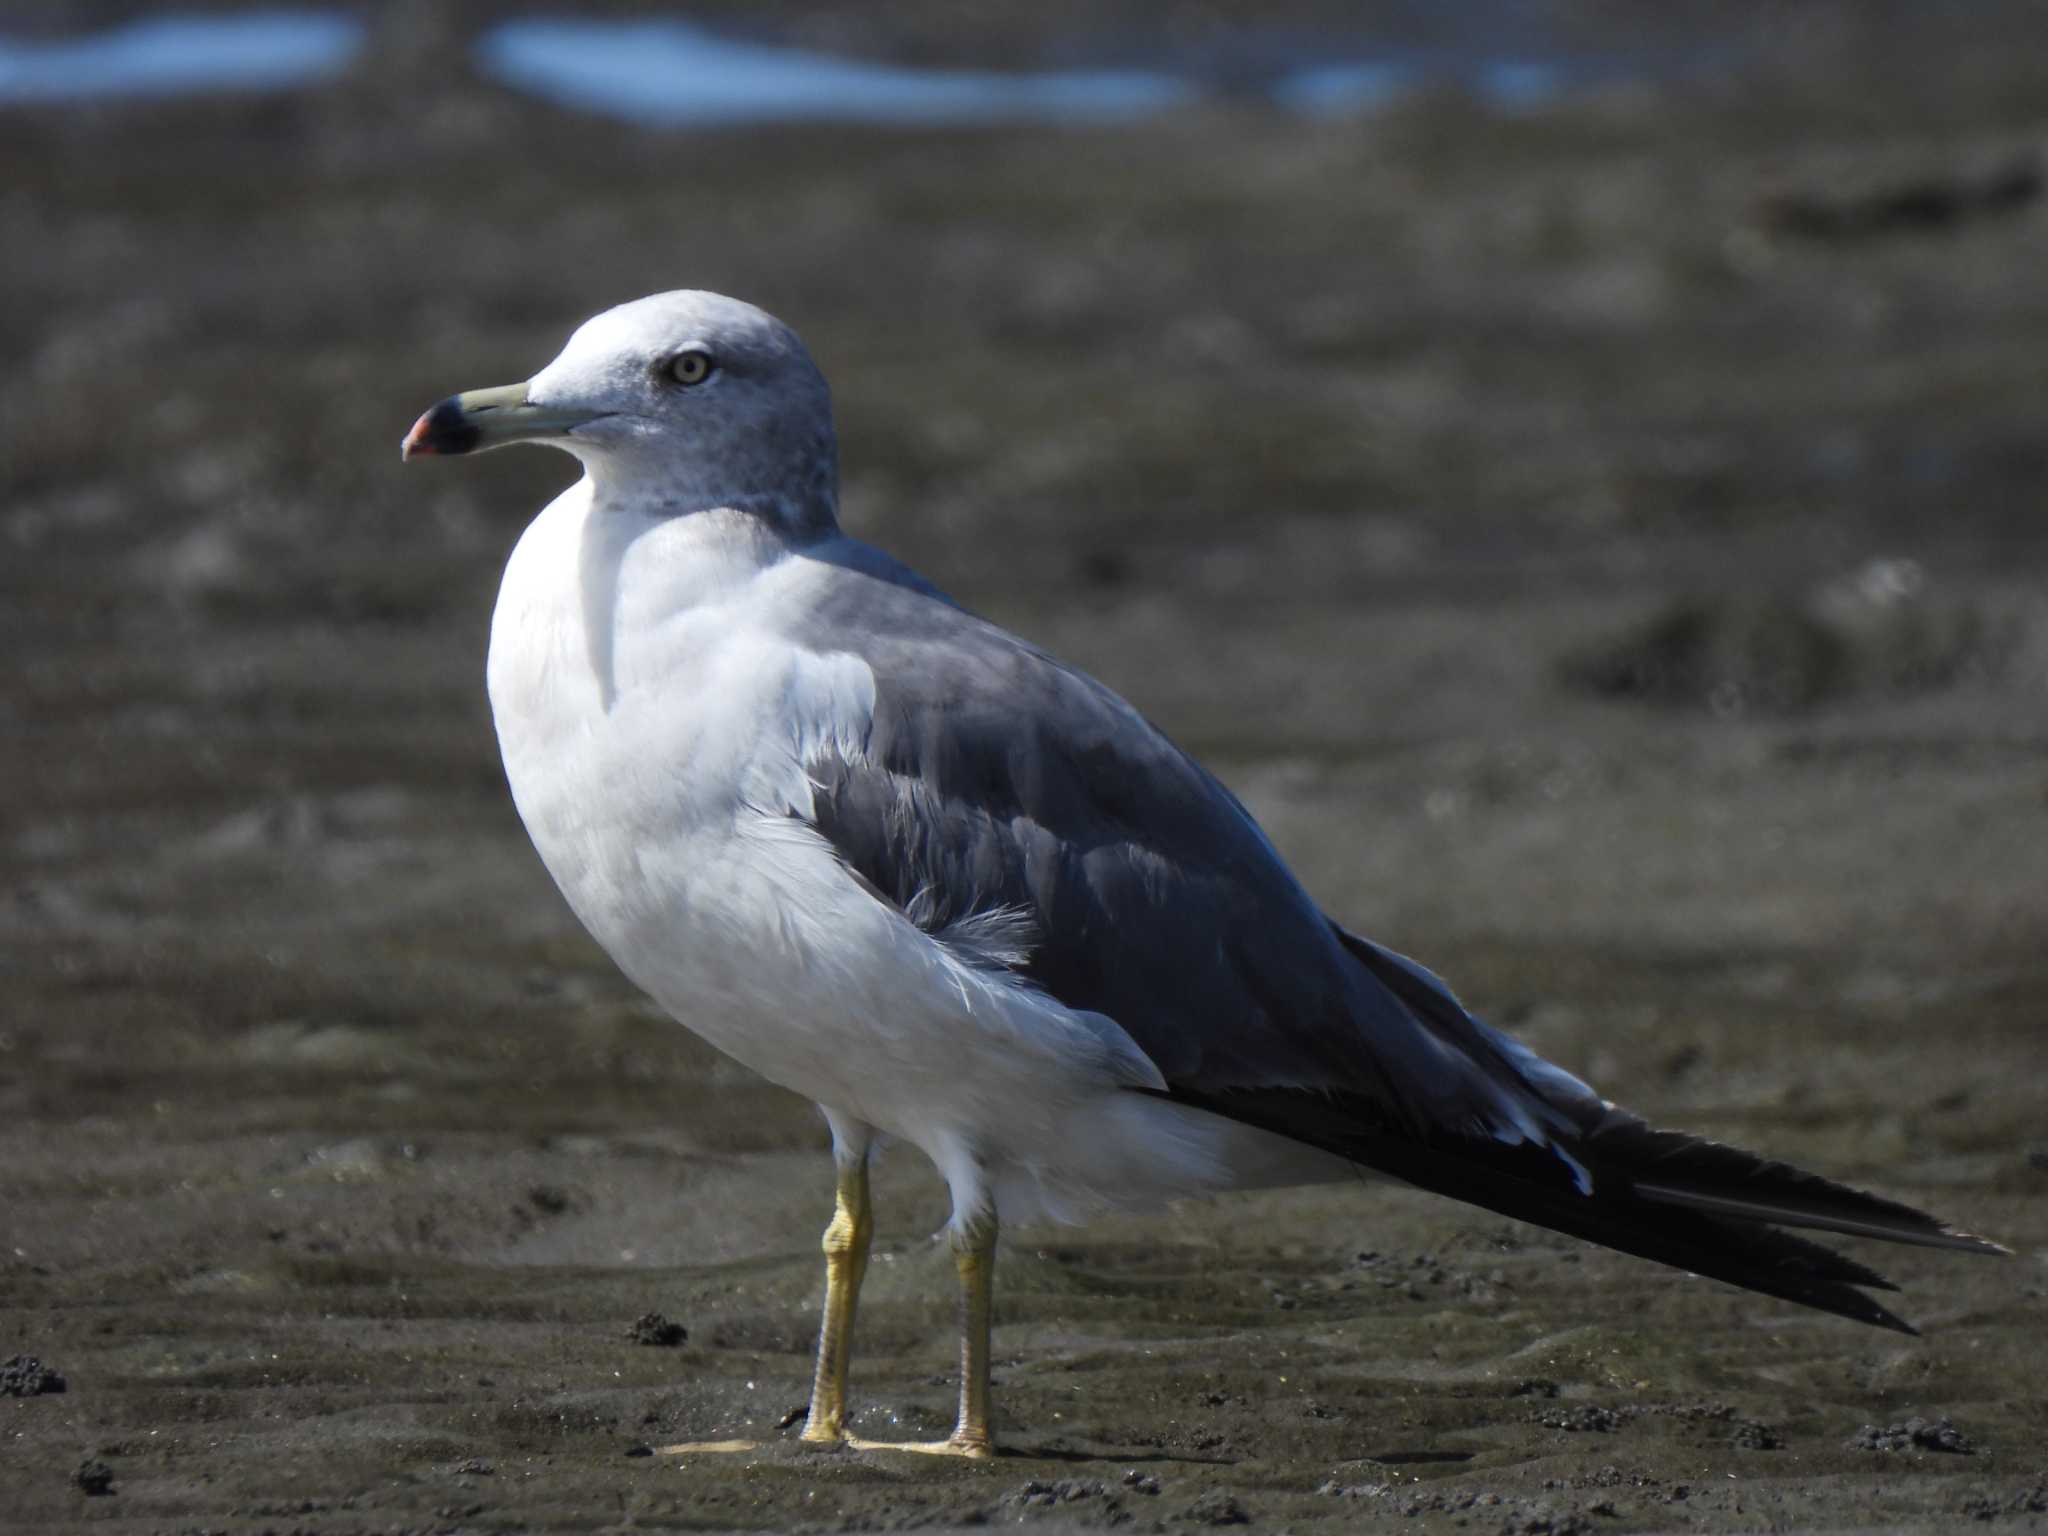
[[680, 402]]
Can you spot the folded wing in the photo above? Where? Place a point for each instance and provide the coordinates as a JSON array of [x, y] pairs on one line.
[[1020, 810]]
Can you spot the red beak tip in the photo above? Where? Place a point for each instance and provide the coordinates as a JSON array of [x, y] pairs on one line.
[[416, 443]]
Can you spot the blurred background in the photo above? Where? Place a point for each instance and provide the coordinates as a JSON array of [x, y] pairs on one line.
[[1575, 469]]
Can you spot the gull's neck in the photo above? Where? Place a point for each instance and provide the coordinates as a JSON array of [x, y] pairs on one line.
[[717, 543], [795, 509]]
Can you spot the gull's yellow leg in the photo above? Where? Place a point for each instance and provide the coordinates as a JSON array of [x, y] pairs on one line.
[[974, 1255], [846, 1261]]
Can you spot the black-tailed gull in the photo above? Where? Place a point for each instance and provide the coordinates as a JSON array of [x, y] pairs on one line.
[[912, 867]]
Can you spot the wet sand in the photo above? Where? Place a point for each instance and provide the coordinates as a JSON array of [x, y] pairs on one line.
[[1603, 544]]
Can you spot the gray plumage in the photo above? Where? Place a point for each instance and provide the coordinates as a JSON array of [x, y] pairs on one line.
[[997, 779]]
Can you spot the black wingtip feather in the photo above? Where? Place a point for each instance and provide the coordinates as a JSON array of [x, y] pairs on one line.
[[1530, 1183], [1676, 1169]]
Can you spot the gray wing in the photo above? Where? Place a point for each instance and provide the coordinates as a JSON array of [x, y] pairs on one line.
[[1019, 809], [1000, 790]]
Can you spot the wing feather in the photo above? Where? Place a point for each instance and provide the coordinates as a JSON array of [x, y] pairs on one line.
[[993, 778]]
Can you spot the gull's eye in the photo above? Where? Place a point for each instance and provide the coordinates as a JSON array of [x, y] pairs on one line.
[[691, 367]]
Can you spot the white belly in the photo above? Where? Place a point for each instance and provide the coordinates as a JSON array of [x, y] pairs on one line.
[[640, 741]]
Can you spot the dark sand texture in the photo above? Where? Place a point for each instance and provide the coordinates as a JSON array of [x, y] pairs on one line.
[[1604, 544]]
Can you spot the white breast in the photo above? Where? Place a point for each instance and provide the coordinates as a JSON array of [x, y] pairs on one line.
[[654, 736]]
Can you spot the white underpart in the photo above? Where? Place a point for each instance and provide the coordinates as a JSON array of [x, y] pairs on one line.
[[656, 729]]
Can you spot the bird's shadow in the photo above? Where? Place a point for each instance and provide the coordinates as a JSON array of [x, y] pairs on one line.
[[1126, 1458], [1389, 1458]]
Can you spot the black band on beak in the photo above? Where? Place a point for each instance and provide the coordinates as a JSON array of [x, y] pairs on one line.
[[447, 428]]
